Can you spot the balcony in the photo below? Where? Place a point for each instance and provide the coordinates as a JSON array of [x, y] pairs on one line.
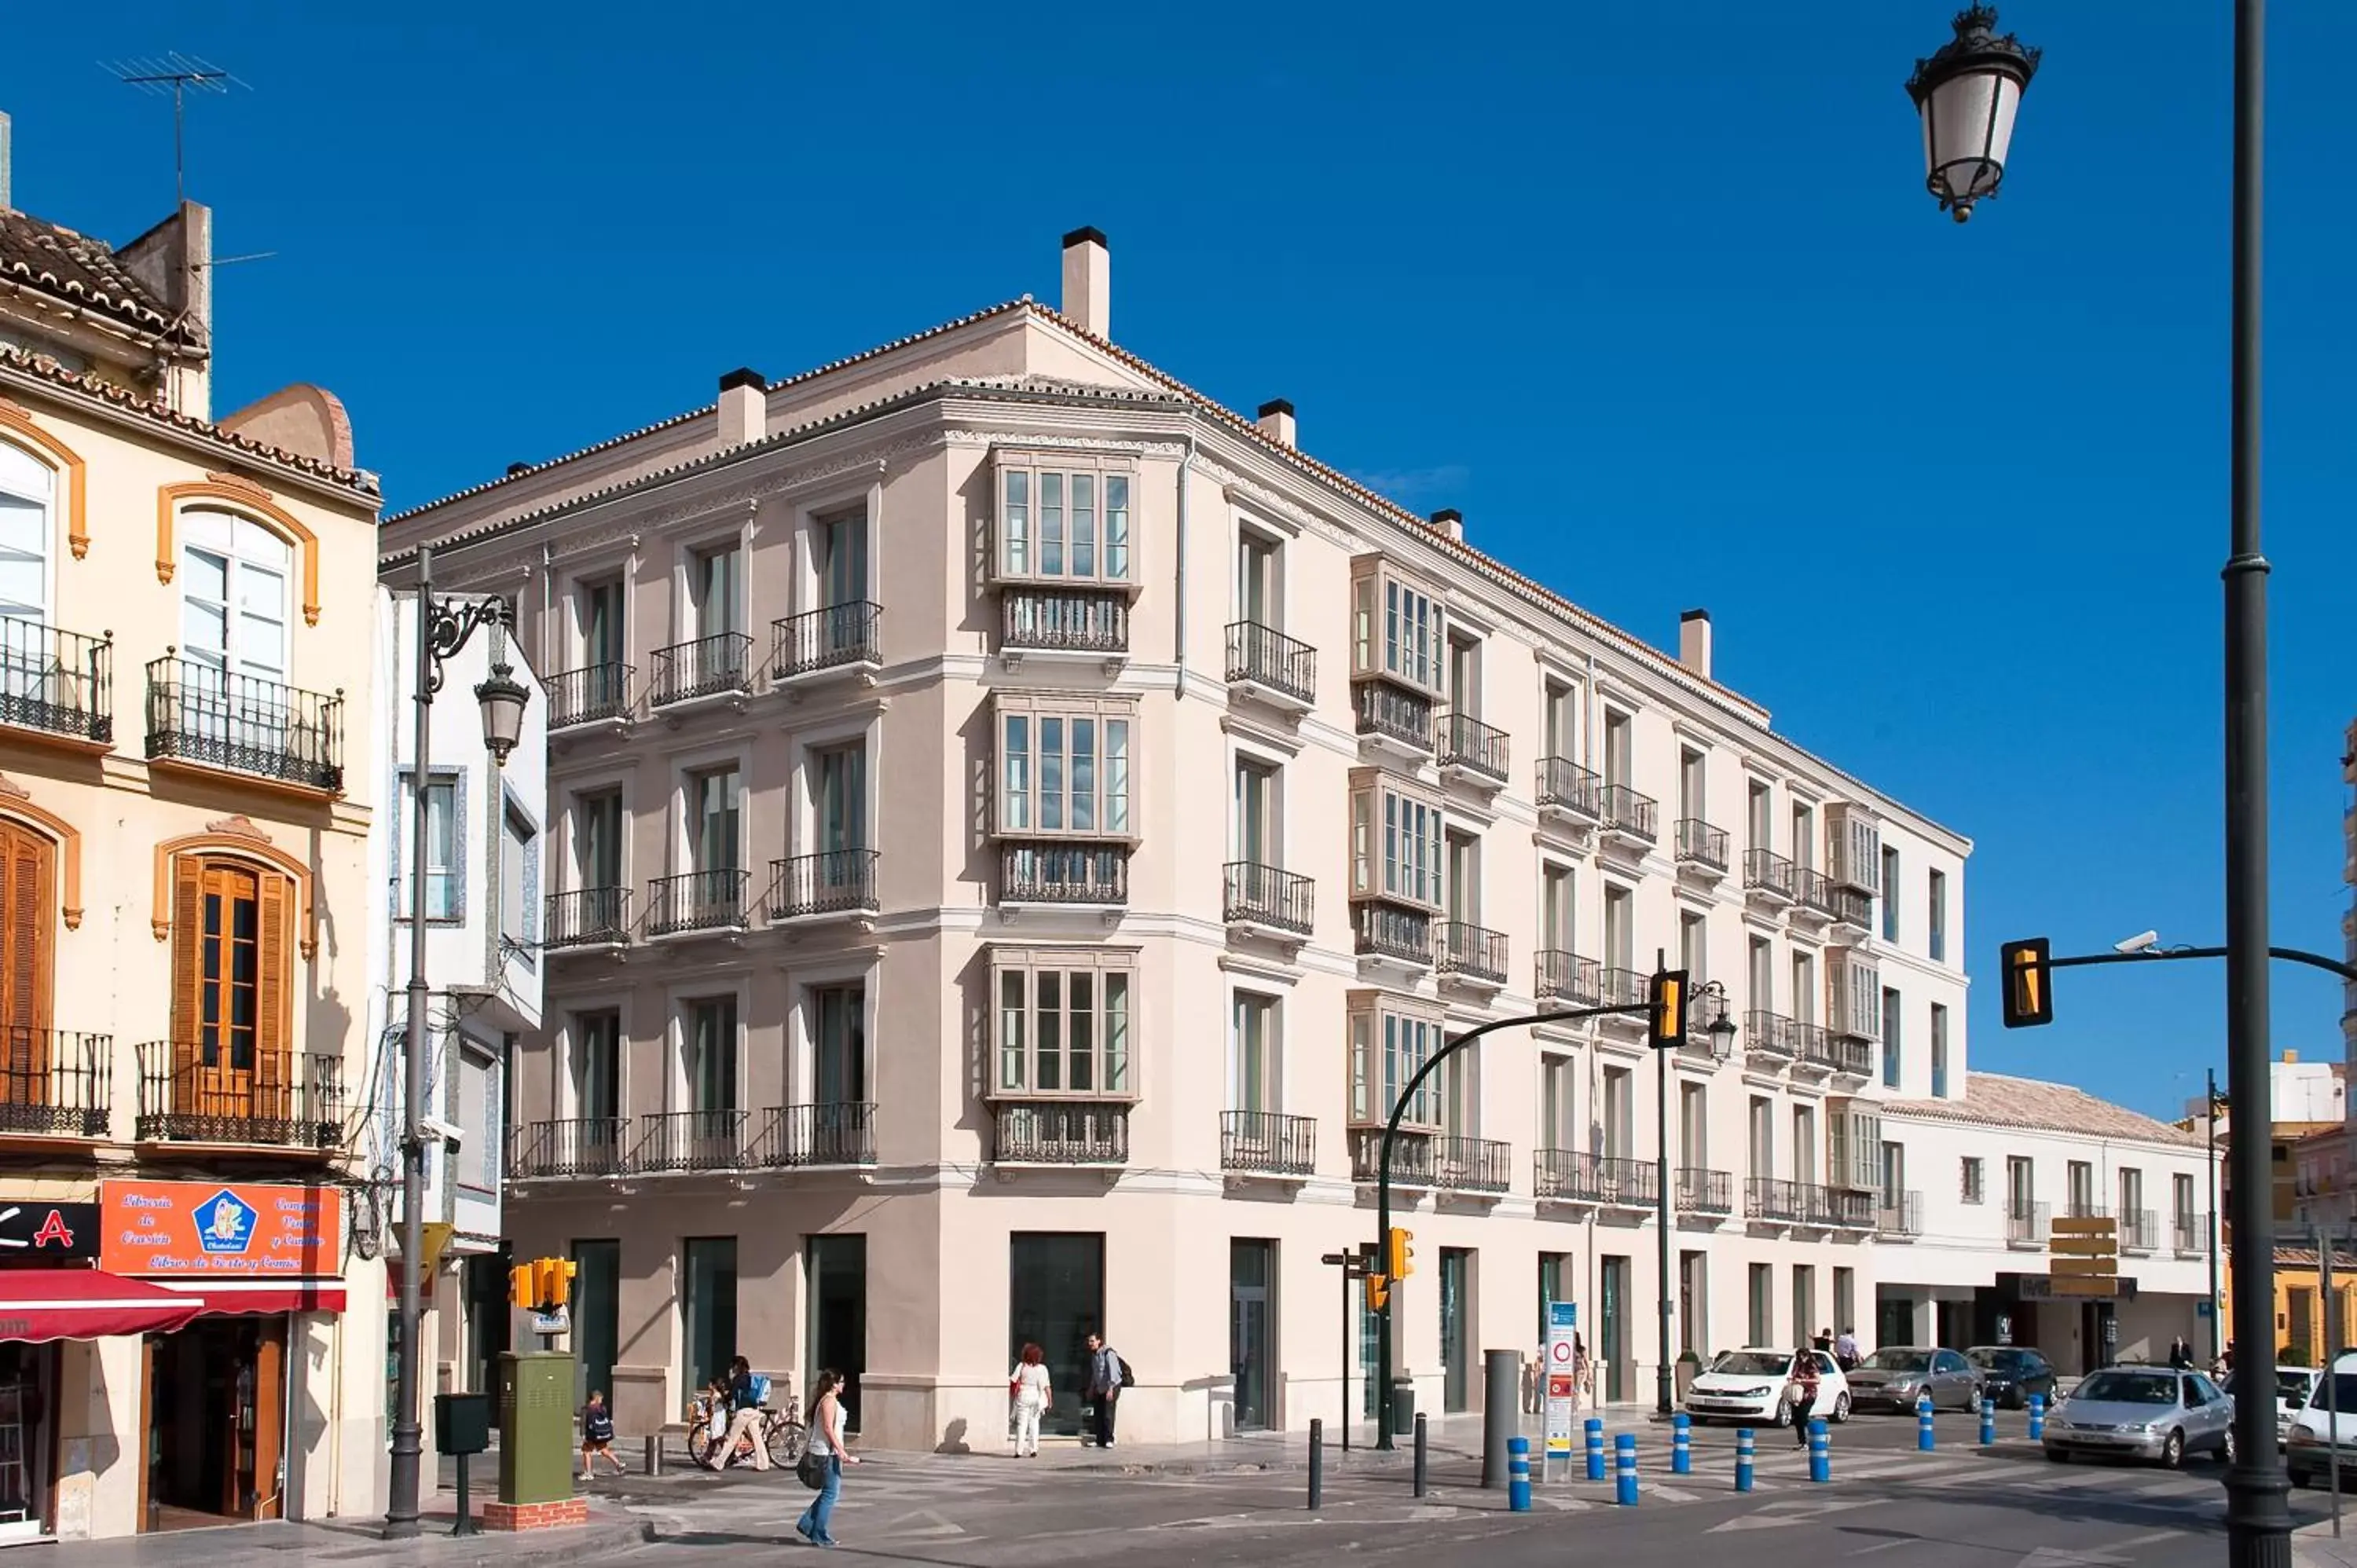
[[1569, 795], [571, 1146], [1568, 979], [1769, 1200], [1411, 1155], [2139, 1230], [1470, 1164], [2189, 1235], [56, 1083], [696, 903], [1835, 1209], [828, 884], [57, 683], [1083, 622], [284, 1101], [1265, 900], [833, 639], [1853, 913], [1623, 988], [1813, 894], [1473, 954], [715, 668], [1769, 878], [1265, 665], [798, 1137], [1631, 819], [1899, 1216], [593, 695], [1262, 1142], [1047, 871], [2027, 1224], [1388, 932], [676, 1141], [588, 918], [1471, 752], [1768, 1038], [1701, 849], [1813, 1048], [1570, 1176], [1389, 716], [1829, 1050], [203, 716], [1061, 1132], [1701, 1191]]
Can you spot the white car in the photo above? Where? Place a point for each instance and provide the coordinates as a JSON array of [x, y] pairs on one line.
[[1748, 1385], [2322, 1440]]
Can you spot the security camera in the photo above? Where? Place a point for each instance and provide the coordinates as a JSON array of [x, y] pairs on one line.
[[2143, 941], [436, 1131]]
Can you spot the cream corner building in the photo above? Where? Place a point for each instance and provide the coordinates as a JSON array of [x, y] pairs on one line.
[[1019, 825]]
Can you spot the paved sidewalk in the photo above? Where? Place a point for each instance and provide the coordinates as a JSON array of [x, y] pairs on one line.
[[359, 1541], [2314, 1547]]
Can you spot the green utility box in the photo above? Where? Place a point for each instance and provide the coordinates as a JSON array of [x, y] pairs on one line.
[[535, 1427]]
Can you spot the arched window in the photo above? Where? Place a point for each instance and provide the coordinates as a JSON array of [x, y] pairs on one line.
[[27, 501], [235, 575]]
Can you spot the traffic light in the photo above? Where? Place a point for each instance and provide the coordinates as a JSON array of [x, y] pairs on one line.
[[1378, 1293], [1668, 1017], [2028, 980], [521, 1286], [1400, 1258], [556, 1287]]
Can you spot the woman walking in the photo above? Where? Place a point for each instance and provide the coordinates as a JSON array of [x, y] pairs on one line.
[[1803, 1394], [1027, 1385], [826, 1441]]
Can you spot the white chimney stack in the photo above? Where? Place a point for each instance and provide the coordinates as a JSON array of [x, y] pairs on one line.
[[1275, 421], [1694, 641], [1450, 521], [1088, 282], [744, 407]]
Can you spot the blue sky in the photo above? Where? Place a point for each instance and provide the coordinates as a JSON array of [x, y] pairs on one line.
[[1651, 292]]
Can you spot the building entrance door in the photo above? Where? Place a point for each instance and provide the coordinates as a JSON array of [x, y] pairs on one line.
[[838, 1316], [1252, 1359], [216, 1422], [1455, 1353], [1055, 1286], [1612, 1329]]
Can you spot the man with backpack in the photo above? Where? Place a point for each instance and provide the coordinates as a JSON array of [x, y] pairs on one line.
[[1108, 1375], [747, 1394]]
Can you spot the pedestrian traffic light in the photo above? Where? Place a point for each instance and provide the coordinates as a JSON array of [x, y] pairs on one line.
[[521, 1285], [1378, 1293], [1669, 999], [1399, 1260], [2028, 979]]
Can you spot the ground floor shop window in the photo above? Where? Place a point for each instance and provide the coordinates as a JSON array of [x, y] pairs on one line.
[[215, 1423], [28, 1381], [708, 1308], [838, 1316], [1251, 1337], [597, 1316], [1055, 1300]]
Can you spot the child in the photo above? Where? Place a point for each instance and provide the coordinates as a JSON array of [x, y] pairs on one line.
[[596, 1436]]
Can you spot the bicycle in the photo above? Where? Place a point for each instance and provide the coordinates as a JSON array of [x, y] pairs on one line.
[[782, 1433]]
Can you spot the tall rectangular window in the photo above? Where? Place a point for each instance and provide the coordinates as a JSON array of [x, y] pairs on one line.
[[1972, 1180], [1064, 770], [1620, 748], [1258, 600], [1893, 1066], [840, 556], [1388, 1049], [1762, 1323], [1620, 1113], [839, 798], [1559, 928], [597, 1070], [1693, 797], [1760, 1149], [1804, 988], [1890, 899], [1804, 837], [1619, 928], [2020, 1186], [1758, 819], [1845, 1300], [712, 1054], [444, 876], [2180, 1206], [1805, 1167], [1465, 675], [838, 1019], [1694, 1125], [598, 839], [1062, 1025], [518, 880], [1693, 948], [1938, 937], [1253, 817], [1464, 893], [1804, 1298], [1762, 975], [1253, 1074], [1558, 1102], [713, 805], [1561, 722], [715, 590], [233, 580], [2080, 1178], [600, 607], [1939, 1051]]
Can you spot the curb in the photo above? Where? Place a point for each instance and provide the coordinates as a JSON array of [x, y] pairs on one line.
[[605, 1533]]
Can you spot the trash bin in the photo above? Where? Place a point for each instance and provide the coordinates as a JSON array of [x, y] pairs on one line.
[[1402, 1408]]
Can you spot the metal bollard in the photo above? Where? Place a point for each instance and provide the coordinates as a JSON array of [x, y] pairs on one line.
[[1821, 1451], [654, 1454], [1988, 1422], [2036, 1417], [1595, 1448], [1624, 1454], [1746, 1451], [1518, 1474], [1419, 1454], [1926, 1440], [1681, 1444], [1316, 1464]]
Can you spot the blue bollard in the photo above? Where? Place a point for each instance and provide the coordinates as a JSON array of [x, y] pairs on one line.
[[1926, 1440], [1821, 1451], [2036, 1417], [1681, 1444], [1988, 1422], [1518, 1474], [1595, 1448], [1746, 1450], [1624, 1452]]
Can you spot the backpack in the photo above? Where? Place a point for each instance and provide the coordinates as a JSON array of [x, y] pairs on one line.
[[1129, 1378], [760, 1388]]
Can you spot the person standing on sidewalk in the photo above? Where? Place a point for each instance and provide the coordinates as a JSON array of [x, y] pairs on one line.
[[1104, 1386], [1802, 1393], [825, 1441], [1028, 1387]]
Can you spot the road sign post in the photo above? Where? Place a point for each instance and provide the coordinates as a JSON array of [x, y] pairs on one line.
[[2086, 1257], [1561, 1372]]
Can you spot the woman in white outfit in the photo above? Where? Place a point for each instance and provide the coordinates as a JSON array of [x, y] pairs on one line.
[[1027, 1386]]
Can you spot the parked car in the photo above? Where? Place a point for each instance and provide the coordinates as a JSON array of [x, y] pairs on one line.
[[2011, 1373], [1895, 1377], [1748, 1385], [2293, 1385], [2319, 1435], [2143, 1412]]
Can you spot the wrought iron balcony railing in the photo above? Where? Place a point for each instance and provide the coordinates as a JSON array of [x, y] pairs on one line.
[[1573, 1176], [1394, 714], [1704, 1191], [1623, 988], [1569, 978], [1773, 1200], [695, 901], [1267, 896], [1385, 930], [830, 882], [1811, 1047], [1816, 893], [1631, 811], [1470, 1164], [1265, 657], [1064, 620], [716, 666], [1042, 870], [1837, 1209], [60, 682], [1699, 843], [595, 693], [2189, 1234], [1268, 1143], [1565, 786], [1768, 1036], [1770, 875], [832, 636], [1899, 1214], [590, 918], [1411, 1155], [56, 1083], [1466, 743], [1061, 1132], [273, 1101], [568, 1146], [196, 712], [2028, 1224], [2139, 1230], [707, 1140], [1471, 952], [840, 1132]]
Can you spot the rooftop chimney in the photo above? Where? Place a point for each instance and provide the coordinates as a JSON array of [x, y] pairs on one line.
[[1450, 521], [1275, 421], [1088, 282], [4, 162], [1694, 641], [744, 407], [515, 468]]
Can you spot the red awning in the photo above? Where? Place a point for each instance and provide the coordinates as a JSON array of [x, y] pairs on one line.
[[249, 1298], [40, 1304]]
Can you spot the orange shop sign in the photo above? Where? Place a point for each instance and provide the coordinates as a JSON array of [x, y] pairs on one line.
[[208, 1229]]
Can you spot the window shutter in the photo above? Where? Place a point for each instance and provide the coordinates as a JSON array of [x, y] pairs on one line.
[[188, 968], [28, 863], [273, 1034]]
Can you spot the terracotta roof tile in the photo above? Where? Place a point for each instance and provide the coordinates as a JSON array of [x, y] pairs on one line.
[[1994, 1099], [74, 267]]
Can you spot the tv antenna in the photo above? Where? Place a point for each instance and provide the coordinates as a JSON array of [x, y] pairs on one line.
[[178, 75]]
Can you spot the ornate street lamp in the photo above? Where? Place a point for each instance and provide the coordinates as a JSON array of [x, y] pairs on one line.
[[1968, 94]]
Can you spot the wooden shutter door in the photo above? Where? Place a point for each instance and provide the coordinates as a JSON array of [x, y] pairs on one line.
[[178, 1095], [273, 1003], [27, 925]]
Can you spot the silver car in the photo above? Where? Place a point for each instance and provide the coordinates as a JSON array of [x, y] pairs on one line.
[[2143, 1412], [1894, 1377]]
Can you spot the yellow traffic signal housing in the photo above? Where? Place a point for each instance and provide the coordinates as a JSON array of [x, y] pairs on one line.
[[2028, 981], [1668, 1017], [556, 1287], [1399, 1260], [521, 1286], [1378, 1293]]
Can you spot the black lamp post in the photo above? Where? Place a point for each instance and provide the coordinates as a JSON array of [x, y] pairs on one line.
[[1721, 1032], [1967, 94]]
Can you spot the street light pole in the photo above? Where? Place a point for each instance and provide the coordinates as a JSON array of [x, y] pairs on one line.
[[1663, 1383], [2214, 1308]]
